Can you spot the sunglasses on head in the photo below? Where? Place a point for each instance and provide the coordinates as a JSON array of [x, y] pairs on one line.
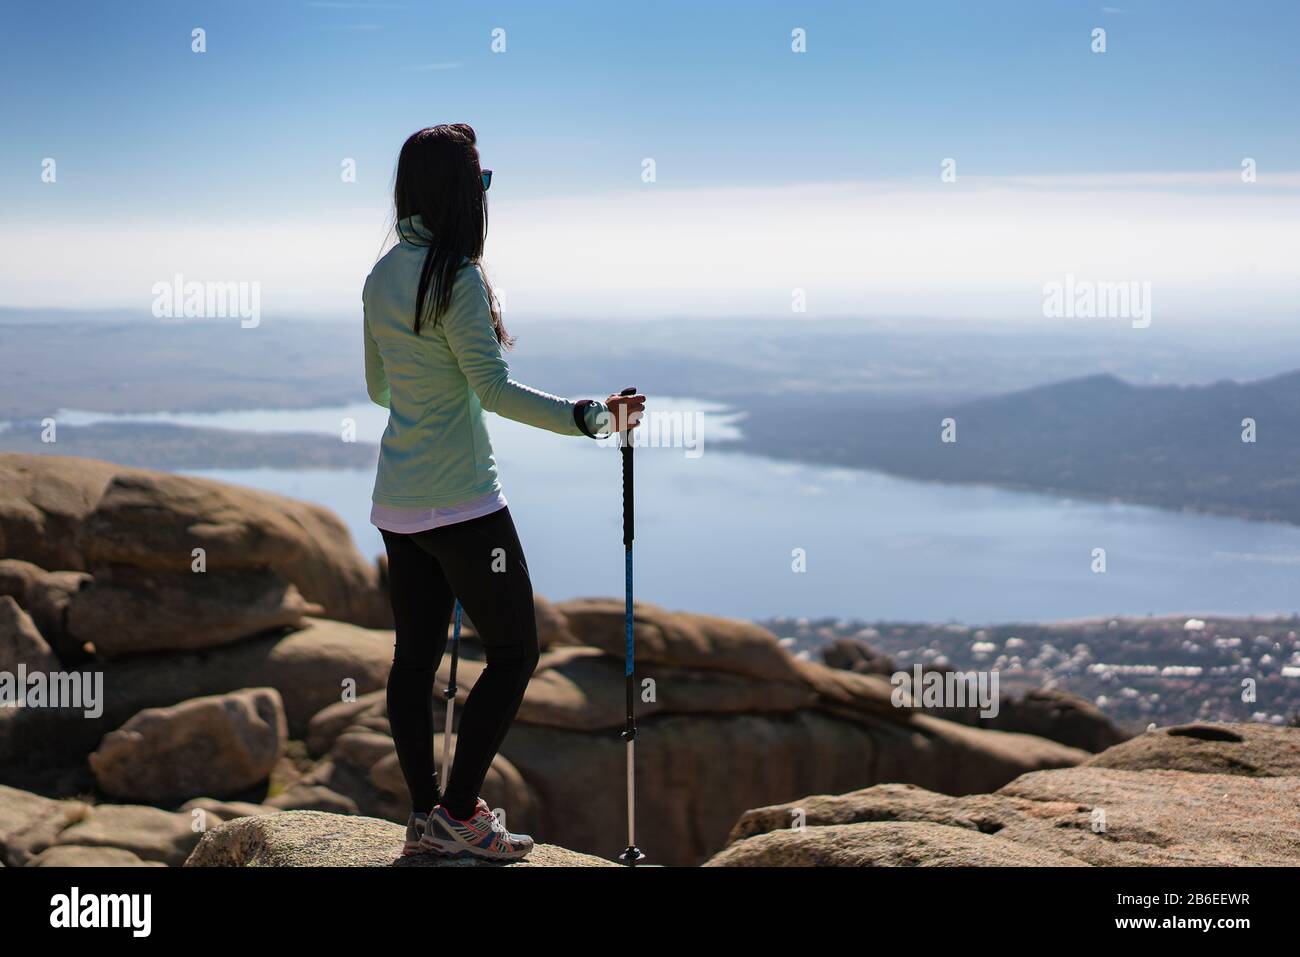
[[487, 179]]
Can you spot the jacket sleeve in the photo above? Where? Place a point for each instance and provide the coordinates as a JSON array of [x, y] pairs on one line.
[[376, 380], [468, 327]]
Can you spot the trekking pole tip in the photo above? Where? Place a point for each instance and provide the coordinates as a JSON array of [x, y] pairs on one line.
[[631, 855]]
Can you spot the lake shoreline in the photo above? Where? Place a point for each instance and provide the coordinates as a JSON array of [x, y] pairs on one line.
[[191, 447]]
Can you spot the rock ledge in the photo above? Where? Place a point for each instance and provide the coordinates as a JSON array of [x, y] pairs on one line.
[[318, 839]]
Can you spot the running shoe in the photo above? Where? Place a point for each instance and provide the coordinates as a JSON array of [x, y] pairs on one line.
[[481, 836]]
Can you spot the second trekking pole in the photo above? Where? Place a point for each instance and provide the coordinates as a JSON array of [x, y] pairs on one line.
[[450, 695], [633, 853]]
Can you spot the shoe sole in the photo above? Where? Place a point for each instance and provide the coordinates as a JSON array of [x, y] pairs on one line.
[[461, 851]]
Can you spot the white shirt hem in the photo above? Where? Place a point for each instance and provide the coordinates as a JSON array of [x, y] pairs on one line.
[[408, 521]]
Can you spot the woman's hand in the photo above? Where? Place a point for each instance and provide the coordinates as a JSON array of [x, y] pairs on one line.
[[625, 411]]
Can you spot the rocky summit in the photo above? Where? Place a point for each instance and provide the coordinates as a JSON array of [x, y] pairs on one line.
[[316, 839], [1116, 810]]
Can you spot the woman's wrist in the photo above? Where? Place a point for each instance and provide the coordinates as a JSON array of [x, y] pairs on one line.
[[590, 416]]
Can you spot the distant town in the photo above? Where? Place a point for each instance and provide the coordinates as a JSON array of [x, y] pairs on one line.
[[1139, 671]]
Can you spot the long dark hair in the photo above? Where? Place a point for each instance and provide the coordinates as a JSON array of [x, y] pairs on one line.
[[439, 180]]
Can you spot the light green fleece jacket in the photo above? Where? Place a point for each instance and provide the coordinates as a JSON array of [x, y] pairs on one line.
[[437, 385]]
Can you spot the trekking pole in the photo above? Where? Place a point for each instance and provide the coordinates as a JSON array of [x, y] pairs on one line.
[[450, 695], [633, 853]]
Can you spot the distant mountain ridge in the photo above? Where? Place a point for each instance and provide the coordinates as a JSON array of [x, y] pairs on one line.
[[1175, 447]]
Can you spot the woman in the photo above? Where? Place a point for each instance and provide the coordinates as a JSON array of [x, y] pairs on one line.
[[433, 343]]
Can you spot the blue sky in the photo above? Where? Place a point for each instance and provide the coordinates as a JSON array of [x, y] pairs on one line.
[[249, 136]]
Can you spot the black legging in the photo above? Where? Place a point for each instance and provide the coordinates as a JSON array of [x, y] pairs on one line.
[[482, 563]]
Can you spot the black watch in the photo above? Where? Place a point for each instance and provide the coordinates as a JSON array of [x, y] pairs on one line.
[[580, 417]]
